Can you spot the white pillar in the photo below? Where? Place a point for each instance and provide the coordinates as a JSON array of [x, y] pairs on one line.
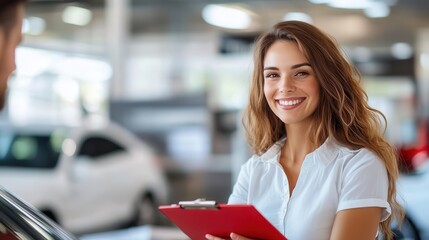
[[117, 33], [422, 70]]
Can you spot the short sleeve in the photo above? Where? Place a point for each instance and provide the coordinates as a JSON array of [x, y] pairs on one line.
[[241, 187], [364, 183]]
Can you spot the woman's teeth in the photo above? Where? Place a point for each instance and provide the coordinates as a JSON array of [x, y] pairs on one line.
[[290, 102]]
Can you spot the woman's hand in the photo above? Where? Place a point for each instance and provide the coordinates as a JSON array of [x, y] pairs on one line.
[[233, 236]]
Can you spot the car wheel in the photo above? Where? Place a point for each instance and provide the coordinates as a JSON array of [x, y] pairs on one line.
[[146, 211]]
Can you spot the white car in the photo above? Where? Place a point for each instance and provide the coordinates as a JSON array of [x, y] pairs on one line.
[[88, 178]]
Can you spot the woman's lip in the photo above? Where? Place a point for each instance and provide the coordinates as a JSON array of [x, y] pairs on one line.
[[290, 98]]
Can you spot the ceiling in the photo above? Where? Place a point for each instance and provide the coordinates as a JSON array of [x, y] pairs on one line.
[[350, 27]]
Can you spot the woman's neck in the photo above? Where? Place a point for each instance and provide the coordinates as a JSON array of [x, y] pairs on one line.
[[300, 142]]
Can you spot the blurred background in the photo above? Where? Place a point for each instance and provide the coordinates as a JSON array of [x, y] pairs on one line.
[[128, 104]]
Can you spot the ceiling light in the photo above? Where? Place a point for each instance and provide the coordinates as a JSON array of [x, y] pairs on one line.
[[33, 25], [77, 15], [319, 1], [373, 8], [227, 16], [297, 16], [401, 50], [350, 4], [377, 10]]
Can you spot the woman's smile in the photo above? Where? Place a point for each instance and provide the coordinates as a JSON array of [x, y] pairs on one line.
[[289, 103]]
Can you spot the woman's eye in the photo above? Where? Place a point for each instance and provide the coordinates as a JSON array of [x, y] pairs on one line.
[[271, 75], [301, 74]]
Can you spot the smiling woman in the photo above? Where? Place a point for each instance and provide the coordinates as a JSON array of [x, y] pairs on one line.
[[322, 168]]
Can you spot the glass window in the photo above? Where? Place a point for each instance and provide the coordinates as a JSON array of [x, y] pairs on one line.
[[95, 147], [30, 151]]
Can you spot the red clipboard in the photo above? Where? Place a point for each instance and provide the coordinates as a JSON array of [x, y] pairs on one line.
[[198, 218]]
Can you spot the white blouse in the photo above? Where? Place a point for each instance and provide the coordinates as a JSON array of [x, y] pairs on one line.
[[332, 178]]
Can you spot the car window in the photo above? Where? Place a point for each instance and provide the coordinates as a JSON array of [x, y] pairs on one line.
[[32, 151], [95, 147]]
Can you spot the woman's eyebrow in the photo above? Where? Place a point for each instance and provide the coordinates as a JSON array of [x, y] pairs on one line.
[[293, 67], [270, 68], [300, 65]]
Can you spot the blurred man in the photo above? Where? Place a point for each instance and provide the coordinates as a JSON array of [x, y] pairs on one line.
[[11, 15]]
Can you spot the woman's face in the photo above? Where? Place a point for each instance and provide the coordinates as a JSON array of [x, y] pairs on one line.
[[290, 86]]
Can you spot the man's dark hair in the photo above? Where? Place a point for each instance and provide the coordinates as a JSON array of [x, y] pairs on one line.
[[8, 11]]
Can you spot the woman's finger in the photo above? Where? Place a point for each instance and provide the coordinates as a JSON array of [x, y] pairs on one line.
[[211, 237], [235, 236]]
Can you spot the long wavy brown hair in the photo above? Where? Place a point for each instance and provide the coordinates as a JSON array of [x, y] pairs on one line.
[[343, 112]]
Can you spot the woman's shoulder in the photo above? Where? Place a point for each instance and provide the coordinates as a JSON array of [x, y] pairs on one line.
[[349, 151], [359, 156]]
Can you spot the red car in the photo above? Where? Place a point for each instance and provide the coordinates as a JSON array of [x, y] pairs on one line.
[[413, 156]]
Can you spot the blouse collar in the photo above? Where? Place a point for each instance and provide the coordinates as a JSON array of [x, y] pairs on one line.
[[325, 153]]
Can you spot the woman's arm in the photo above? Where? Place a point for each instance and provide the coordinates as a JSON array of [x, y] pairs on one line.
[[356, 223]]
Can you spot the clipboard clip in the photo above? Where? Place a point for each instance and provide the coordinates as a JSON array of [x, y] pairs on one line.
[[200, 203]]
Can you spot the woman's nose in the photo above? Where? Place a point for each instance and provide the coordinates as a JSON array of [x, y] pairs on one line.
[[287, 85]]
